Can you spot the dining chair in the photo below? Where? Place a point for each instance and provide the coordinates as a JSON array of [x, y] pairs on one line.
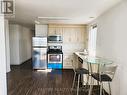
[[106, 74]]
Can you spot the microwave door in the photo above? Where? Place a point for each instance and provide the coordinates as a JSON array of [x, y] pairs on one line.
[[56, 39]]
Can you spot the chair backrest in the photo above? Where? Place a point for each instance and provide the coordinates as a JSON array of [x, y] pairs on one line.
[[108, 69]]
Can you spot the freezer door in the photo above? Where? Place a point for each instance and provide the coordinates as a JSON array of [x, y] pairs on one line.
[[39, 41], [39, 58]]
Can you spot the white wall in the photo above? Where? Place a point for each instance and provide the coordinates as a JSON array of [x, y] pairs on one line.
[[20, 44], [7, 46], [14, 44], [111, 43], [3, 87], [25, 44]]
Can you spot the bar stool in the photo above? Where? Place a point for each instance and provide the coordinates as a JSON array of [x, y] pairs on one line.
[[106, 74], [80, 72]]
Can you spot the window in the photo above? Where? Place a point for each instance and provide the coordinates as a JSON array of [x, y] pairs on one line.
[[92, 40]]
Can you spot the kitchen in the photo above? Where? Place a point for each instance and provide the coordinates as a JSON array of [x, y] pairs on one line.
[[53, 47], [64, 51], [59, 36], [56, 49]]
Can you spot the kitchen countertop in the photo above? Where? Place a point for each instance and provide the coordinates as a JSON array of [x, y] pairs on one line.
[[81, 55]]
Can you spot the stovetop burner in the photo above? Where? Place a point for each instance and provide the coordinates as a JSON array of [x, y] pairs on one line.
[[55, 50]]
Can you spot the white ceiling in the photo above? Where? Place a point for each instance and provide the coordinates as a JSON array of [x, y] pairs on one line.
[[78, 11]]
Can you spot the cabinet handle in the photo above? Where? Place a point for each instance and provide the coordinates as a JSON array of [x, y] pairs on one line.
[[77, 39]]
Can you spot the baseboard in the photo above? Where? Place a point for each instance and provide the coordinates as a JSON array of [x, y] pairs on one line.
[[26, 61], [67, 67], [7, 71], [21, 62]]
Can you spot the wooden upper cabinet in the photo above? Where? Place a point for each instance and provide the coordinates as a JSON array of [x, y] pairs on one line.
[[78, 35], [66, 35], [55, 31], [59, 31], [82, 35], [70, 33], [41, 30], [51, 31]]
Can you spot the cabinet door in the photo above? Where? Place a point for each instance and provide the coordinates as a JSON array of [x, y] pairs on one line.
[[83, 35], [77, 35], [68, 35], [55, 31], [59, 31], [80, 35], [68, 61], [73, 35], [41, 30], [52, 31]]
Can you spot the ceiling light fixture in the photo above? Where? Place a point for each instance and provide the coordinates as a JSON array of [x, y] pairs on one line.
[[54, 18], [37, 22]]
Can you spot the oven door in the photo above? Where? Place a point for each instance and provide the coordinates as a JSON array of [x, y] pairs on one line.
[[55, 61], [54, 58]]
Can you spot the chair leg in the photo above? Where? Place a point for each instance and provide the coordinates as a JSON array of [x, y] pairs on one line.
[[78, 84], [103, 89], [100, 88], [87, 83], [74, 80], [90, 91], [109, 88], [91, 87], [97, 82]]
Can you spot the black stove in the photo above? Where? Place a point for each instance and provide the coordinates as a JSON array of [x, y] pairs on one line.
[[55, 57]]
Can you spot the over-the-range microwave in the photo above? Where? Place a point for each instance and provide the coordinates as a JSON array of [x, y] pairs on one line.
[[55, 39]]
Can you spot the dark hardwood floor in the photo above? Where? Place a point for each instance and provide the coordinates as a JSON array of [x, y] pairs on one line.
[[22, 80]]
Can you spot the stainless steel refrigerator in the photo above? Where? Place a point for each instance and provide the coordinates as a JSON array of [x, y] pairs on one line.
[[39, 57]]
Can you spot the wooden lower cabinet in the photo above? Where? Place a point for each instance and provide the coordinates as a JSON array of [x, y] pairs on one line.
[[67, 61]]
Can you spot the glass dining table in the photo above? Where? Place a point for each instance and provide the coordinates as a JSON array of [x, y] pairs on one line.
[[90, 60], [96, 60]]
